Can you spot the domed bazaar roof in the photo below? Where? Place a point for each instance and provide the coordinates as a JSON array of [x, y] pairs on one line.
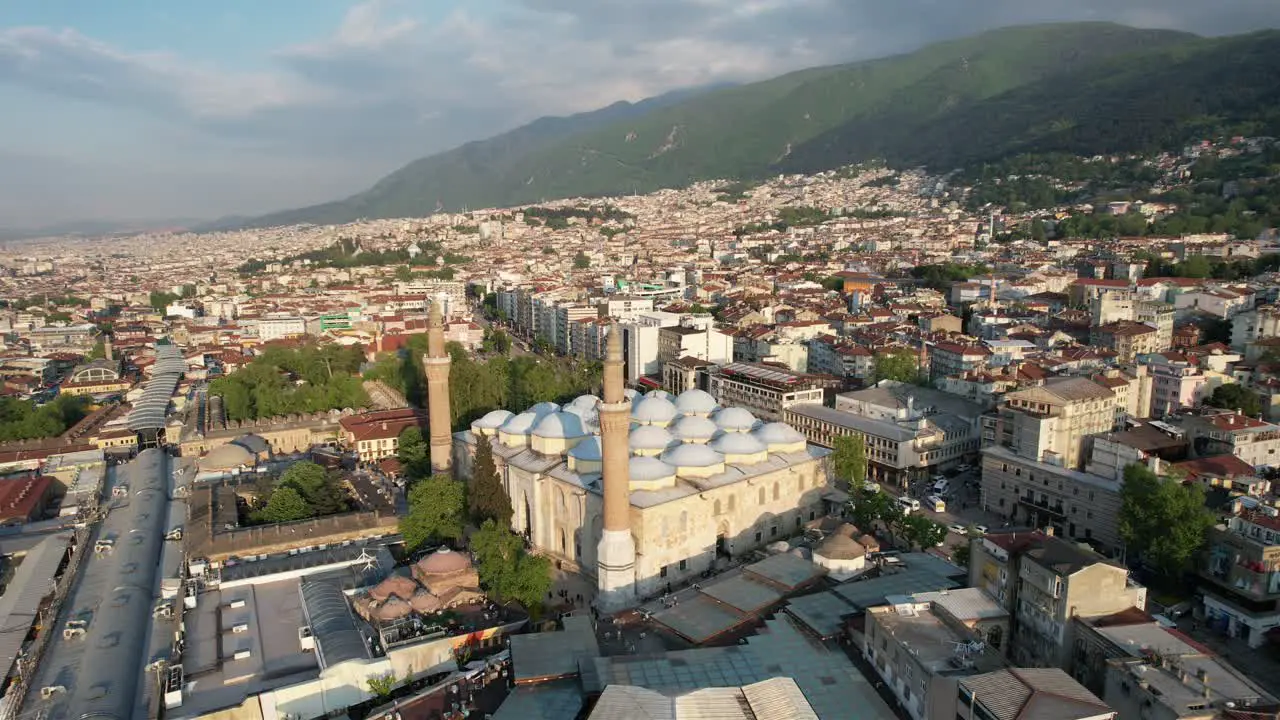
[[443, 562], [493, 419], [776, 433], [519, 424], [227, 457], [691, 455], [560, 425], [840, 547]]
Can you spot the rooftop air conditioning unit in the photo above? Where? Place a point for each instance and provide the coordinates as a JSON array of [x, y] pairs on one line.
[[49, 691]]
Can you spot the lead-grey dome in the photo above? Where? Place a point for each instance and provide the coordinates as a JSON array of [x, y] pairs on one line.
[[650, 437], [492, 420], [649, 469], [519, 424], [695, 401], [560, 425], [737, 444], [589, 449], [694, 427], [777, 433], [653, 410], [692, 455], [735, 419]]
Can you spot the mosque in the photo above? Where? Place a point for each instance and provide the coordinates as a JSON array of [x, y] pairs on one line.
[[636, 491]]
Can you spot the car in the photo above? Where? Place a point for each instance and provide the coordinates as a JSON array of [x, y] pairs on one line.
[[870, 487], [908, 505], [958, 528], [980, 529], [964, 468], [942, 487], [939, 478]]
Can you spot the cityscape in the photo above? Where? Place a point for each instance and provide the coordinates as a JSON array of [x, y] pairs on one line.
[[963, 405]]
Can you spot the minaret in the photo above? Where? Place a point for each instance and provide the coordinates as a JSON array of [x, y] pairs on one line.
[[616, 556], [436, 363]]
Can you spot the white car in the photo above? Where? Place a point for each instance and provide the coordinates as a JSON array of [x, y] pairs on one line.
[[981, 529], [870, 487], [908, 504], [958, 529]]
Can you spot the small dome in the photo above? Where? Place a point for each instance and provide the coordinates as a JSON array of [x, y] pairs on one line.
[[696, 402], [690, 455], [659, 394], [492, 420], [650, 469], [777, 433], [650, 437], [560, 425], [869, 542], [227, 457], [443, 562], [584, 402], [630, 393], [589, 449], [693, 427], [738, 444], [840, 547], [519, 424], [735, 419], [653, 410], [544, 408], [590, 416]]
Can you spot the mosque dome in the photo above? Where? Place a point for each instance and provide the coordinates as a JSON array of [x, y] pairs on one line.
[[519, 424], [780, 437], [226, 457], [738, 444], [560, 425], [650, 437], [583, 402], [492, 420], [653, 411], [650, 473], [544, 408], [659, 394], [589, 450], [691, 455], [696, 402], [694, 428], [735, 419]]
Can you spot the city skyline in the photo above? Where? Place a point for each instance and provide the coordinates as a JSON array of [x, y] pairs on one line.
[[142, 113]]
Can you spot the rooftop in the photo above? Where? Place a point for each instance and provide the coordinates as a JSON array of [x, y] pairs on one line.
[[1041, 693]]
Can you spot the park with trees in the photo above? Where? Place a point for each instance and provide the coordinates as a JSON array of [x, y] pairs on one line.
[[305, 490], [285, 381], [25, 420]]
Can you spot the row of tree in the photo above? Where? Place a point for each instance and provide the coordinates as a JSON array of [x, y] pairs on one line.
[[284, 381]]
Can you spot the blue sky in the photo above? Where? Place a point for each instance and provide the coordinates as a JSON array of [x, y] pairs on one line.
[[161, 109]]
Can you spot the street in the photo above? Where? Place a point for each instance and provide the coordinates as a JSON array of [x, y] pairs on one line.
[[963, 506]]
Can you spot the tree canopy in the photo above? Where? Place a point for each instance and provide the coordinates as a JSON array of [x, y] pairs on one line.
[[488, 500], [1162, 520], [437, 510], [24, 420], [506, 570], [900, 365], [849, 459], [285, 505], [1234, 396], [284, 381], [413, 453]]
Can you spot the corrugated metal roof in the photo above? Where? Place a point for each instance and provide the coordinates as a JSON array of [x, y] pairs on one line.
[[30, 583], [332, 624]]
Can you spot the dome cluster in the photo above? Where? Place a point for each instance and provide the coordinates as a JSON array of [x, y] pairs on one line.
[[671, 437]]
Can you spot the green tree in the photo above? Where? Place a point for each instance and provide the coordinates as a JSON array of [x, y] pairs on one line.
[[849, 459], [868, 508], [487, 498], [1196, 266], [413, 453], [1234, 396], [99, 350], [899, 365], [963, 553], [506, 570], [923, 532], [285, 505], [322, 492], [382, 686], [501, 342], [437, 508], [581, 261], [1162, 520], [1037, 232]]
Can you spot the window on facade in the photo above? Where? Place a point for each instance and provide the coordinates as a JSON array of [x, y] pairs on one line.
[[733, 503], [777, 491], [762, 498], [717, 508], [663, 571]]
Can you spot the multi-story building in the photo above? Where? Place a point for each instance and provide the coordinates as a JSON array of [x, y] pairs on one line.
[[376, 435], [921, 651], [1051, 423], [1158, 315], [910, 432], [955, 359], [1219, 302], [1252, 325], [763, 389], [1176, 383], [624, 308], [1073, 504], [1127, 338], [276, 328], [1018, 693], [848, 360], [1242, 570], [1045, 582], [567, 316], [1223, 432], [680, 341], [1131, 388]]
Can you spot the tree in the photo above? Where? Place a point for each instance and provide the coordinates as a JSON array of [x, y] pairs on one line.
[[285, 505], [488, 500], [413, 453], [1037, 231], [381, 686], [869, 507], [849, 459], [506, 570], [322, 493], [501, 342], [99, 350], [437, 507], [1162, 520], [1236, 397], [581, 261], [920, 530], [899, 365], [963, 553]]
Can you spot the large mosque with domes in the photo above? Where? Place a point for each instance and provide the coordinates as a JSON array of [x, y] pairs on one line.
[[638, 491]]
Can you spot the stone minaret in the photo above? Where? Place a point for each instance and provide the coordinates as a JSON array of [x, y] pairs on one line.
[[437, 366], [616, 575]]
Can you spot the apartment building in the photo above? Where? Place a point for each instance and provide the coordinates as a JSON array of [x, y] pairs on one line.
[[1242, 573], [1051, 423], [1177, 382], [1072, 504], [680, 341], [1158, 315], [1045, 582], [847, 360], [1131, 388], [624, 308], [567, 317], [1253, 325], [1222, 432], [955, 359], [276, 328], [765, 390], [1127, 339], [1018, 693], [920, 652]]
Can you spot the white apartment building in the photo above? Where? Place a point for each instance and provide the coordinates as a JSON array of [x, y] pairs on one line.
[[275, 328]]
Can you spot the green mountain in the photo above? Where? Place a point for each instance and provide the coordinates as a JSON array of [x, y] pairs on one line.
[[1086, 87]]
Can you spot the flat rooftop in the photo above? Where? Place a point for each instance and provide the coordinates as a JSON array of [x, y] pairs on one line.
[[539, 657]]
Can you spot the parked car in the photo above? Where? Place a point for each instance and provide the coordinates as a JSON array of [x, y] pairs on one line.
[[908, 504], [870, 487], [958, 528], [981, 529]]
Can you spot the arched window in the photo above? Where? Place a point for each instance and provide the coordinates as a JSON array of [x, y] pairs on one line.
[[560, 498], [733, 503], [684, 520], [762, 499], [563, 545], [717, 511], [777, 491]]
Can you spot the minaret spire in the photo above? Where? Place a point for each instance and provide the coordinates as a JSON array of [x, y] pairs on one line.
[[616, 555], [436, 364]]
